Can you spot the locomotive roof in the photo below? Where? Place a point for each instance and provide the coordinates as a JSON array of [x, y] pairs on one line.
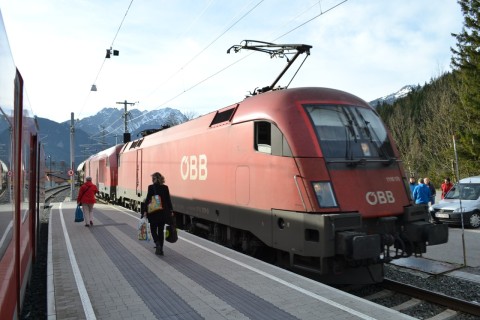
[[277, 102], [316, 93], [279, 106]]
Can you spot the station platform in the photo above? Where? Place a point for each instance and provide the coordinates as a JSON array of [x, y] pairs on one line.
[[105, 272]]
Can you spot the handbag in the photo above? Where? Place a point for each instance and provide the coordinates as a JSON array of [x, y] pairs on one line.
[[78, 214], [143, 228], [155, 204], [171, 233]]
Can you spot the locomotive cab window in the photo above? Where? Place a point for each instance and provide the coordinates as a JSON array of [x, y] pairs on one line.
[[350, 132], [324, 193], [270, 140]]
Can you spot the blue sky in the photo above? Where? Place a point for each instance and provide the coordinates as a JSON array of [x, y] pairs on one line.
[[173, 53]]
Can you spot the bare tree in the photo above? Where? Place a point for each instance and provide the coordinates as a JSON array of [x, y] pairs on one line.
[[190, 115], [440, 124], [405, 136]]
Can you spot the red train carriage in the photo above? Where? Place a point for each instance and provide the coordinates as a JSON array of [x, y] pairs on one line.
[[22, 191], [310, 172], [103, 168]]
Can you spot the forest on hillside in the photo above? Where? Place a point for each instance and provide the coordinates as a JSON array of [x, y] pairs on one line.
[[443, 116]]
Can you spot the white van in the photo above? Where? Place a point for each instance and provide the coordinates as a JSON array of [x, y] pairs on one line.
[[464, 198]]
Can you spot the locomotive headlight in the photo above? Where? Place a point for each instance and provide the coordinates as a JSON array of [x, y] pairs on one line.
[[324, 193]]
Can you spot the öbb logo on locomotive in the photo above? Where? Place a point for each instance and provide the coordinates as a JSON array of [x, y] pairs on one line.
[[379, 197], [193, 167]]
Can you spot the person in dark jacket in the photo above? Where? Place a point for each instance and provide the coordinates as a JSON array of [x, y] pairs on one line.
[[433, 192], [412, 184], [158, 218], [86, 197]]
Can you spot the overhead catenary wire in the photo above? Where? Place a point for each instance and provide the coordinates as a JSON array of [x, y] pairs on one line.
[[168, 100], [209, 45], [310, 20], [193, 58], [235, 62], [105, 59], [199, 53]]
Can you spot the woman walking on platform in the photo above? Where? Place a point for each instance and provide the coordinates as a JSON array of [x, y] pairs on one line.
[[86, 198], [159, 217]]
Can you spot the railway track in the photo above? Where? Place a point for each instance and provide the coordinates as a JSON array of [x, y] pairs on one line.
[[446, 299], [55, 193], [448, 302]]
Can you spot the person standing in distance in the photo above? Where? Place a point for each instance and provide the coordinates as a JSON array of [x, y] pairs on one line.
[[446, 186], [158, 219], [412, 185], [421, 193], [433, 192], [86, 198]]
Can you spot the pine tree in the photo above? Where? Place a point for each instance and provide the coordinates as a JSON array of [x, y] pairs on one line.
[[466, 64]]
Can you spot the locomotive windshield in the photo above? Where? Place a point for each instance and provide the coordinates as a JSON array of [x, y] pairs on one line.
[[350, 132]]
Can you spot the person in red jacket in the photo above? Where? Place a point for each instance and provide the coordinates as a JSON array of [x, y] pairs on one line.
[[446, 186], [86, 198]]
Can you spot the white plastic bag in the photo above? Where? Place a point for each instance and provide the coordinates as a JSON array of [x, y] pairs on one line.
[[143, 230]]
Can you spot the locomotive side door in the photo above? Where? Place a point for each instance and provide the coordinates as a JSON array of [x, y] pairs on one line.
[[138, 174]]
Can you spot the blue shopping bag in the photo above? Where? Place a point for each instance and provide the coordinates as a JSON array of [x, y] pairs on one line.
[[78, 214]]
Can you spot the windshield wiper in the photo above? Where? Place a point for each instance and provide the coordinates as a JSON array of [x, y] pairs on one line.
[[348, 139], [368, 131]]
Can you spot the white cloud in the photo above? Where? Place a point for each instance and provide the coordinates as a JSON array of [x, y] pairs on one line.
[[369, 48]]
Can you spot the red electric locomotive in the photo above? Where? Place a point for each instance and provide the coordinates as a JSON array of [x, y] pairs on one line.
[[310, 174], [22, 185], [103, 169]]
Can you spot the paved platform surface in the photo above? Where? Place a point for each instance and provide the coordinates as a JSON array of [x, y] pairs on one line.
[[104, 272]]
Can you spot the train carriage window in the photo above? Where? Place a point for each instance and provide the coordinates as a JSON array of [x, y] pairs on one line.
[[263, 138], [223, 116], [136, 144], [133, 145], [270, 140]]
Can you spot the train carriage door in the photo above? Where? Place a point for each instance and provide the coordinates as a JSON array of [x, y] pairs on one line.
[[138, 173], [101, 170]]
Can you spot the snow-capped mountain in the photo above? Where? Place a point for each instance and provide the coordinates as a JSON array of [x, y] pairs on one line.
[[109, 123], [391, 98]]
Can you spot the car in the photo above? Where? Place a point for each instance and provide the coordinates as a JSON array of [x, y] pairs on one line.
[[462, 201]]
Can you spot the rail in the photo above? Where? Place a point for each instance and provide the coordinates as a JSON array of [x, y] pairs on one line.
[[52, 192], [434, 297]]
